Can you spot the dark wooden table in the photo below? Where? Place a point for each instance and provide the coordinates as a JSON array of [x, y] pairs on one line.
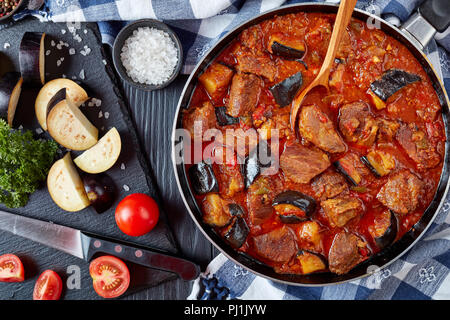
[[153, 114]]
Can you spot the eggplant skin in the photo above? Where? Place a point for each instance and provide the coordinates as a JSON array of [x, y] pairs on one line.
[[297, 199], [260, 157], [58, 97], [284, 92], [370, 167], [392, 81], [237, 233], [389, 234], [203, 179], [285, 51], [224, 119], [30, 56], [235, 210], [101, 191], [8, 102]]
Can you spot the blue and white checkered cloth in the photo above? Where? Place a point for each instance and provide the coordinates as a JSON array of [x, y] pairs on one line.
[[422, 273]]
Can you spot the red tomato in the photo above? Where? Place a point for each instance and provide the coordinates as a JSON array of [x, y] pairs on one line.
[[137, 214], [11, 268], [48, 286], [110, 276]]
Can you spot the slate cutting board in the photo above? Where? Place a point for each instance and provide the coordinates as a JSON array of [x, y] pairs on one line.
[[100, 83]]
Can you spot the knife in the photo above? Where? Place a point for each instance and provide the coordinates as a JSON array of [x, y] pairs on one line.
[[85, 245]]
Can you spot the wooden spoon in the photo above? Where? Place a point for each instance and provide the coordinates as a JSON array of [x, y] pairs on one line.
[[342, 19]]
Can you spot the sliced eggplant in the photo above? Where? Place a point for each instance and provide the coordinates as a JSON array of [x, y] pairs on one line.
[[260, 157], [392, 81], [202, 178], [285, 91], [213, 211], [32, 58], [293, 206], [70, 127], [65, 185], [235, 210], [100, 190], [237, 232], [280, 46], [52, 92], [10, 89], [379, 162], [351, 167], [311, 262], [224, 119], [384, 230], [103, 155]]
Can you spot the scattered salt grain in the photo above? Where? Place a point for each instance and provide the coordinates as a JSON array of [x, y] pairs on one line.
[[39, 130], [64, 76], [63, 31], [149, 56], [104, 62], [20, 127], [59, 46], [82, 75], [6, 45], [58, 63], [122, 166], [98, 102], [47, 52], [85, 31], [74, 77], [126, 188], [100, 114], [106, 115], [90, 104], [62, 59], [52, 43], [72, 51]]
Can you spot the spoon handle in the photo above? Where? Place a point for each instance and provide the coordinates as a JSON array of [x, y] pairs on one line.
[[342, 19]]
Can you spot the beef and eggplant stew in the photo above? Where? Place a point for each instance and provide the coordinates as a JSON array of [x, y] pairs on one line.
[[358, 173]]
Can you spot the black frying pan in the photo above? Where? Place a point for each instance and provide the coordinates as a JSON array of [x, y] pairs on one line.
[[414, 34]]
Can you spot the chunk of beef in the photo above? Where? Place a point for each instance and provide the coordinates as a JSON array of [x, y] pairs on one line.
[[244, 94], [241, 141], [329, 184], [259, 64], [199, 119], [300, 164], [344, 253], [260, 196], [357, 124], [352, 168], [278, 245], [417, 146], [253, 38], [387, 130], [401, 192], [316, 127], [341, 210]]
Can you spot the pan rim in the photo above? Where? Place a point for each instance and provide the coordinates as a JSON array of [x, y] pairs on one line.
[[443, 185]]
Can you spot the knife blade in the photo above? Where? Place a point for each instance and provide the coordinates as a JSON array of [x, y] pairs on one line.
[[85, 245]]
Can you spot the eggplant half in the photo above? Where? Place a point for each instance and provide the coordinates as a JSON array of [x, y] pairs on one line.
[[10, 89], [385, 229], [202, 178], [100, 190], [260, 157], [103, 155], [32, 58], [224, 119], [284, 92], [236, 233], [392, 81], [286, 49], [70, 127], [293, 206], [311, 262], [53, 92], [350, 166], [65, 185], [379, 162]]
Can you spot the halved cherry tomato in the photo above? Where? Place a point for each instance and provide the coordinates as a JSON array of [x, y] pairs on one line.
[[11, 268], [48, 286], [110, 276], [137, 214]]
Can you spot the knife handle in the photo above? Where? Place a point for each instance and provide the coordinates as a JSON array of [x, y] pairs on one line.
[[93, 244]]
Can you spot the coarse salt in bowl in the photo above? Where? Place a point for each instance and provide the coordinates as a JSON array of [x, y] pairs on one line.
[[147, 54]]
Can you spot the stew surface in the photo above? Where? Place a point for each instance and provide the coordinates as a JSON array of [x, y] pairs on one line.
[[360, 173]]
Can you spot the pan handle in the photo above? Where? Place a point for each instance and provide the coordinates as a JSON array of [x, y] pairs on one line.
[[432, 16]]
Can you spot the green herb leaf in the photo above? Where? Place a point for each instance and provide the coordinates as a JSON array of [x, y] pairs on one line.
[[24, 164]]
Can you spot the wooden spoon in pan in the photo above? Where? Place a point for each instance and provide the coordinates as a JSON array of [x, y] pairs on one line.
[[342, 19]]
